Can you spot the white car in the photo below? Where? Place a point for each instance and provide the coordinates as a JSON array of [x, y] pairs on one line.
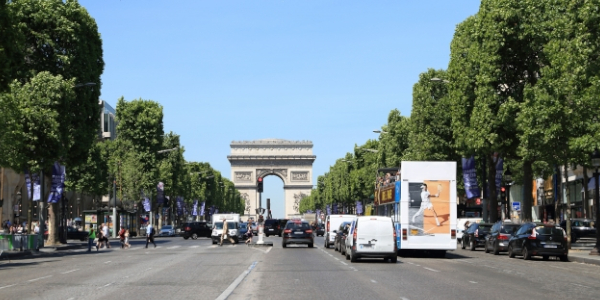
[[332, 222], [372, 237], [167, 230]]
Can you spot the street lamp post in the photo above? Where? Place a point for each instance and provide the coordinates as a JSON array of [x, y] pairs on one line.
[[595, 158], [508, 180]]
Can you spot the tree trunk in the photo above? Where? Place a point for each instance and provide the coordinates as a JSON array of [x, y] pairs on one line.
[[493, 201], [527, 187], [558, 190], [586, 203], [568, 216], [52, 225]]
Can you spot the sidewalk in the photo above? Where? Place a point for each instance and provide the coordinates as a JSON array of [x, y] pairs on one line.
[[582, 256], [42, 251]]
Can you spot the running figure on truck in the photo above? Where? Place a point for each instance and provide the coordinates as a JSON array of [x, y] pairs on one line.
[[426, 203]]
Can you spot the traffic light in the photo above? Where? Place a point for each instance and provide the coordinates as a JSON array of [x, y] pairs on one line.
[[269, 204], [260, 184], [503, 194]]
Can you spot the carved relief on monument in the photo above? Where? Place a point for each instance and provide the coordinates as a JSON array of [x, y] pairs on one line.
[[297, 198], [243, 176], [246, 202], [299, 176]]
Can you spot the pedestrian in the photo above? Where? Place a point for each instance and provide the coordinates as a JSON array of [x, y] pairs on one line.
[[426, 203], [225, 235], [249, 234], [127, 238], [122, 236], [36, 228], [91, 238], [150, 235], [105, 234], [20, 229]]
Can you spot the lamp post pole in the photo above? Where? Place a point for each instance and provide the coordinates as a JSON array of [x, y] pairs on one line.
[[596, 163]]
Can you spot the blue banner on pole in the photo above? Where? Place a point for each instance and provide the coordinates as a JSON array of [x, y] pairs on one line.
[[202, 208], [195, 208], [328, 209], [179, 205], [160, 193], [58, 183], [146, 204], [470, 177], [36, 185], [335, 208], [359, 208], [499, 173]]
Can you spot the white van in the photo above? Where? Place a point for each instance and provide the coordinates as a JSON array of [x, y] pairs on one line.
[[332, 222], [372, 237], [233, 221]]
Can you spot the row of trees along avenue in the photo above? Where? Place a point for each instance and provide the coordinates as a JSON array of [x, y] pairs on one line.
[[523, 82], [50, 67]]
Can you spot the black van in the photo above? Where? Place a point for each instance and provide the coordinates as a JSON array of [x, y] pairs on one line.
[[272, 227], [195, 230], [537, 239]]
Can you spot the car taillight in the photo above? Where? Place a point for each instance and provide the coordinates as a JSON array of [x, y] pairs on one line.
[[327, 226], [309, 231], [503, 237], [533, 235], [187, 228], [404, 234], [453, 234], [395, 236], [476, 233], [287, 231]]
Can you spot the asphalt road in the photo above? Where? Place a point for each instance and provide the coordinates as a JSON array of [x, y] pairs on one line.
[[196, 269]]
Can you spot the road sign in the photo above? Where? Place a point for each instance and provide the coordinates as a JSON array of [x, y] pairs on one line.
[[516, 206]]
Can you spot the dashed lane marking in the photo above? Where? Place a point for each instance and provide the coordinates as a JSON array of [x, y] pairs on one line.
[[105, 285], [373, 281], [107, 262], [67, 272], [472, 281], [579, 285], [173, 247], [31, 280], [7, 286], [430, 269], [236, 282], [194, 246]]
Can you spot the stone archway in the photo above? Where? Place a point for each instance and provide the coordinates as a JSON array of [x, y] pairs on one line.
[[291, 161]]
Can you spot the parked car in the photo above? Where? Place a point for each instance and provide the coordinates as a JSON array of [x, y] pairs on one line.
[[332, 222], [319, 229], [167, 230], [475, 235], [535, 239], [242, 230], [497, 240], [272, 227], [340, 235], [580, 228], [371, 237], [195, 230], [297, 232], [73, 233]]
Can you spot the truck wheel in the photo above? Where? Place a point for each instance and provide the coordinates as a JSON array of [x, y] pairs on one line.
[[394, 259], [186, 237], [310, 245], [326, 245], [194, 236]]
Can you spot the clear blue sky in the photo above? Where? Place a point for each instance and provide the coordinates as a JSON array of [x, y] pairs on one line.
[[324, 71]]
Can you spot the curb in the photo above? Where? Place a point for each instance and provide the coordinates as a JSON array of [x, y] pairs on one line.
[[584, 260]]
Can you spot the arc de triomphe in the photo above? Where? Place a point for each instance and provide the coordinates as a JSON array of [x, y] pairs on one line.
[[291, 161]]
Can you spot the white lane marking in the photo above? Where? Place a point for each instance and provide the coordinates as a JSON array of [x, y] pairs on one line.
[[430, 269], [213, 246], [268, 249], [71, 298], [39, 278], [353, 268], [373, 281], [67, 272], [402, 298], [194, 246], [107, 262], [472, 281], [7, 286], [106, 285], [344, 263], [336, 258], [173, 247], [236, 282], [584, 286]]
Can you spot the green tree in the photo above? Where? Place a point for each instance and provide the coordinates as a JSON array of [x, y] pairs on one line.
[[10, 56], [393, 144], [173, 172]]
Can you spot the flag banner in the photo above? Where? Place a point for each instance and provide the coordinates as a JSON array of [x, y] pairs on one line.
[[36, 185], [328, 209], [211, 211], [58, 183], [309, 211], [195, 208], [499, 173], [160, 193], [147, 207], [318, 213], [179, 205], [335, 208], [202, 208], [470, 177], [359, 208]]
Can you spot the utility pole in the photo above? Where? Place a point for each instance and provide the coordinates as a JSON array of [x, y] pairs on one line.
[[1, 194], [41, 218]]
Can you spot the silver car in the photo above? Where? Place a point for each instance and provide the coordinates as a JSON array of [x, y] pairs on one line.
[[167, 230]]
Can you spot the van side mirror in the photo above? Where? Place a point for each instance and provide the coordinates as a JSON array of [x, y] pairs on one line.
[[335, 231]]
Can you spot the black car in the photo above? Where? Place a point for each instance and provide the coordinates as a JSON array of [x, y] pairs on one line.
[[580, 228], [195, 230], [272, 227], [497, 240], [535, 239], [340, 236], [297, 232], [73, 233], [242, 230], [319, 230], [475, 235]]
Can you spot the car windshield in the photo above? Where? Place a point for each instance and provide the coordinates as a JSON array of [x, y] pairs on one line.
[[485, 228], [243, 226], [549, 230], [230, 225], [586, 224], [291, 225], [509, 229], [167, 227]]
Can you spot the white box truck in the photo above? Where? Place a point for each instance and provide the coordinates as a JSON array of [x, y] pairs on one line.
[[233, 222]]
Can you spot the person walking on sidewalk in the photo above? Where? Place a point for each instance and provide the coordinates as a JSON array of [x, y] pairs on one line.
[[150, 235], [105, 234], [91, 238], [127, 238]]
